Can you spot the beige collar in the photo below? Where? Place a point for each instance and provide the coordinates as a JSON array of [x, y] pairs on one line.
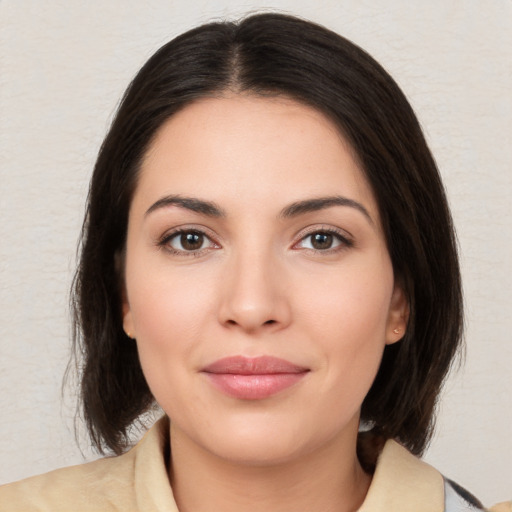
[[403, 483], [152, 489]]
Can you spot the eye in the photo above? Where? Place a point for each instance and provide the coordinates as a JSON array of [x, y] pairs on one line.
[[188, 241], [323, 240]]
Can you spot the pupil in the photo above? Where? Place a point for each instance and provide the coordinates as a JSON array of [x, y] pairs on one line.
[[322, 241], [191, 241]]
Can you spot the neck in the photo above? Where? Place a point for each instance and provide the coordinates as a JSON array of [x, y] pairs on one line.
[[329, 479]]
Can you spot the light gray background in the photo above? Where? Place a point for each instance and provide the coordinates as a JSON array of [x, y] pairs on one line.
[[64, 65]]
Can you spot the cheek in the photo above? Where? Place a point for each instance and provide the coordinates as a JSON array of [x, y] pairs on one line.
[[169, 314], [165, 301], [346, 314], [353, 302]]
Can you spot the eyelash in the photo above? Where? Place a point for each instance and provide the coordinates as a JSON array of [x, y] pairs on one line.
[[344, 242], [164, 242]]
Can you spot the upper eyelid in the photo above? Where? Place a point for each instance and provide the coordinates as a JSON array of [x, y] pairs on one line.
[[322, 228], [170, 233]]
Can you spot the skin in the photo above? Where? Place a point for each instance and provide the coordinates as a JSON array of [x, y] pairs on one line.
[[257, 285]]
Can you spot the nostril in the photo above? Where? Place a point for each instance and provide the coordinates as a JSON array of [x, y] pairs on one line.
[[269, 322]]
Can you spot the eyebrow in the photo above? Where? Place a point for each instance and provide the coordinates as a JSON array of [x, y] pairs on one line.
[[210, 209], [321, 203], [207, 208]]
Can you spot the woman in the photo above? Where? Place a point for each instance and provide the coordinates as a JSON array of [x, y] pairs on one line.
[[268, 254]]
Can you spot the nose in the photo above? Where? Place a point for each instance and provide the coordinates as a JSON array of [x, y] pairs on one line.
[[254, 294]]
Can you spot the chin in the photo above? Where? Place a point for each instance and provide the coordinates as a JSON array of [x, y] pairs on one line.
[[265, 441], [261, 450]]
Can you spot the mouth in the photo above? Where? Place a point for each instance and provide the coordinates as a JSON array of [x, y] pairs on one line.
[[253, 378]]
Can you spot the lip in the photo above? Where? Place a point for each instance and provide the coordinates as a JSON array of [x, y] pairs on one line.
[[253, 378]]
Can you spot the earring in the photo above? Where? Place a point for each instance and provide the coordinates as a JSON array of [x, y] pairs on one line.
[[129, 334], [396, 331]]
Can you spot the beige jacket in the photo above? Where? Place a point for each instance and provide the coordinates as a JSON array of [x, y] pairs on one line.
[[137, 482]]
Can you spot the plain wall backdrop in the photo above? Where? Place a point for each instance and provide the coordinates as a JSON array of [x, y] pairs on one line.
[[63, 67]]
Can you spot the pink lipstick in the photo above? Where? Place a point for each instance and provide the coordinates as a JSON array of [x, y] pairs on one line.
[[253, 378]]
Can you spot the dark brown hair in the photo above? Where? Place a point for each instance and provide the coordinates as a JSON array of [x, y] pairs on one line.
[[274, 54]]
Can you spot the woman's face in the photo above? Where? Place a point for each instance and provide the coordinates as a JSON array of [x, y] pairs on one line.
[[258, 283]]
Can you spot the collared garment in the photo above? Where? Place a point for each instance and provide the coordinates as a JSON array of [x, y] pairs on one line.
[[138, 482]]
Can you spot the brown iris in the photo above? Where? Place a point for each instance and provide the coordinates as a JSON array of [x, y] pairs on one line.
[[192, 241], [321, 241]]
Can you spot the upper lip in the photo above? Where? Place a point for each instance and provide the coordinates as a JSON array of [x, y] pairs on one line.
[[262, 365]]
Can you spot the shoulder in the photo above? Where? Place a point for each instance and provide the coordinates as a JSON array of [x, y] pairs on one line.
[[137, 480], [88, 487], [402, 482], [506, 506], [458, 499]]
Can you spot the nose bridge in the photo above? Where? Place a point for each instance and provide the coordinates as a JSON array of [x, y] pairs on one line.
[[254, 295]]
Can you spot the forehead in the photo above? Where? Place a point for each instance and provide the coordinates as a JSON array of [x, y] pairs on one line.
[[254, 149]]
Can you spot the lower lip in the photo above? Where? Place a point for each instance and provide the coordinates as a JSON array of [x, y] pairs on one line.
[[254, 387]]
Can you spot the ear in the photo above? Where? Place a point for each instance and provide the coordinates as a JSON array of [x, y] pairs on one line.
[[398, 315], [128, 326]]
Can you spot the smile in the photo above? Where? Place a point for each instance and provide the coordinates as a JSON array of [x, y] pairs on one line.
[[253, 378]]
